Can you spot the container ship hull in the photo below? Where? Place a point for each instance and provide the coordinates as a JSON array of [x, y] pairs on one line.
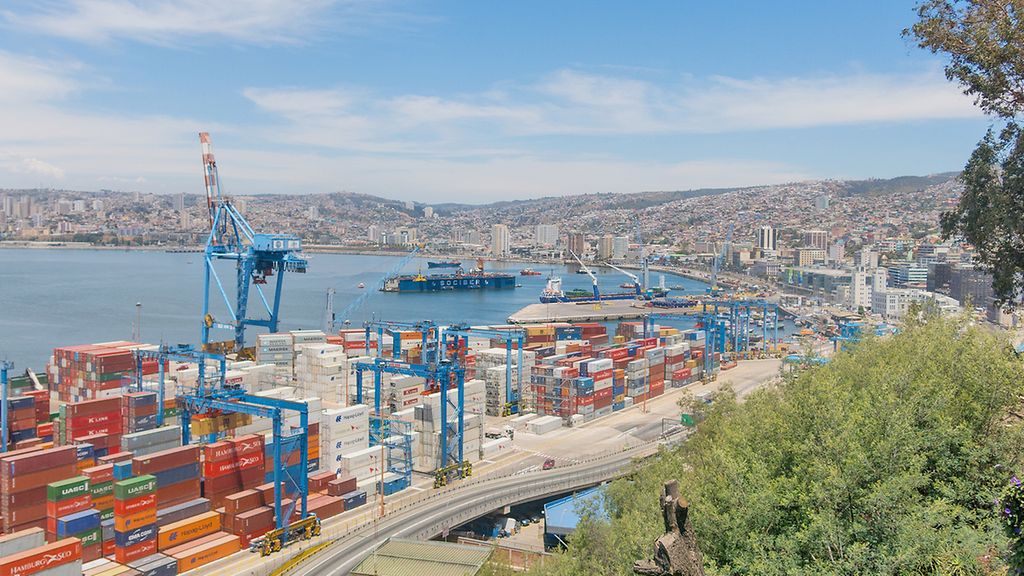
[[449, 282], [444, 264]]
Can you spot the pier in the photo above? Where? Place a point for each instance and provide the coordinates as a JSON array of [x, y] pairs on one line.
[[589, 312]]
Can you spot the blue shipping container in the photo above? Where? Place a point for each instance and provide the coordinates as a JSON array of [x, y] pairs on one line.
[[122, 470], [618, 406], [354, 499], [20, 402], [134, 536], [84, 451], [78, 522], [175, 475]]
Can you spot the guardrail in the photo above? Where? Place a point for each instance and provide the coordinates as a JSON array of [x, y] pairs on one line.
[[361, 527]]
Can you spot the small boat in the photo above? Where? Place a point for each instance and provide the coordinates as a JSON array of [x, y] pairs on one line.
[[678, 287], [627, 285], [444, 264], [361, 285], [529, 272]]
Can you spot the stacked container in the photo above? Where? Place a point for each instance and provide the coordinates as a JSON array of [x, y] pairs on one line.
[[150, 441], [343, 431], [64, 499], [177, 473], [24, 475], [61, 558], [95, 421], [231, 466], [276, 349], [92, 371], [318, 371], [138, 411], [135, 528]]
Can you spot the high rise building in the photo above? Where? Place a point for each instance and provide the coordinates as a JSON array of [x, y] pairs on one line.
[[969, 283], [908, 275], [821, 202], [428, 212], [767, 239], [816, 239], [313, 213], [866, 258], [546, 235], [373, 233], [577, 243], [620, 247], [179, 201], [500, 241], [605, 245]]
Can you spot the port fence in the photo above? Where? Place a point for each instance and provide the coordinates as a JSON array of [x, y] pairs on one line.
[[508, 487]]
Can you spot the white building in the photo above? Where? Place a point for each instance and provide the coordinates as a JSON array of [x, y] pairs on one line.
[[428, 212], [546, 234], [893, 303], [373, 233], [620, 247], [500, 241], [767, 238]]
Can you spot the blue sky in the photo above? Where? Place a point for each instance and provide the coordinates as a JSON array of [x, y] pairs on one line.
[[469, 101]]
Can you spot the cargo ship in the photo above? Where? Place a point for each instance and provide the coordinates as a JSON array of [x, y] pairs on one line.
[[529, 272], [476, 279], [444, 264], [553, 293]]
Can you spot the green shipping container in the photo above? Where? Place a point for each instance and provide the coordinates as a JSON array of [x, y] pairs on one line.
[[107, 514], [102, 489], [90, 537], [134, 487], [70, 488]]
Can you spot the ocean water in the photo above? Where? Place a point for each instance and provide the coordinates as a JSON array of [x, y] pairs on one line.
[[52, 298]]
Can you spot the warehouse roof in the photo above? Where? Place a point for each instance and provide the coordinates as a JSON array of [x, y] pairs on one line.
[[402, 557], [562, 516]]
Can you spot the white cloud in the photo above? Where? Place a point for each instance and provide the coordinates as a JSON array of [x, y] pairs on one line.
[[169, 21], [31, 167]]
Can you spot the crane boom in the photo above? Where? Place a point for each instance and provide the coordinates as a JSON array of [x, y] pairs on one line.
[[634, 277], [597, 292]]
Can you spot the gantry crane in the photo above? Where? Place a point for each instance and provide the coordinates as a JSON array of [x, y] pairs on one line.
[[597, 291], [636, 280], [5, 366], [514, 340], [428, 331], [257, 257]]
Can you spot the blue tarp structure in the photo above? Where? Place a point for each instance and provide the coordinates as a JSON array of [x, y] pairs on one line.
[[562, 516]]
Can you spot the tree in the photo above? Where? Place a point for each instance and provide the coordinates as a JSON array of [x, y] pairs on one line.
[[984, 40], [885, 461]]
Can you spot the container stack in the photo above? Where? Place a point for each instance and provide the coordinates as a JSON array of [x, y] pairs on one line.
[[656, 379], [637, 384], [495, 377], [150, 441], [97, 422], [343, 431], [91, 371], [101, 489], [177, 473], [232, 466], [247, 515], [187, 530], [84, 526], [135, 529], [66, 500], [276, 349], [61, 558], [675, 362], [138, 411], [204, 550], [24, 475], [600, 371], [318, 371], [21, 420]]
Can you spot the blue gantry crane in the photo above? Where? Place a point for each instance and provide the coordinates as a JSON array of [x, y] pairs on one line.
[[514, 340], [428, 330], [257, 257], [443, 373], [5, 366], [180, 353]]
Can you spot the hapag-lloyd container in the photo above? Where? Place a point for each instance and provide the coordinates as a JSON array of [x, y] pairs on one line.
[[188, 530]]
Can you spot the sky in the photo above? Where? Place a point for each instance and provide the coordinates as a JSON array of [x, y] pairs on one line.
[[470, 101]]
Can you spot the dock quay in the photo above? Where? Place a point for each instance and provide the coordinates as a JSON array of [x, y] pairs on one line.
[[588, 312]]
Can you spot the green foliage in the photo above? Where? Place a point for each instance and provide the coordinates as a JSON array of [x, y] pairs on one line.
[[1011, 512], [984, 40], [885, 461]]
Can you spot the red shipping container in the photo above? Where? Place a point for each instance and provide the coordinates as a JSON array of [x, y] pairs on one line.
[[29, 513], [35, 460], [318, 482], [69, 506], [218, 452], [108, 548], [100, 474], [137, 504], [134, 552], [88, 407], [603, 393], [217, 469], [90, 553], [42, 558], [326, 506], [252, 520], [77, 423], [22, 482], [243, 501], [165, 460], [230, 484]]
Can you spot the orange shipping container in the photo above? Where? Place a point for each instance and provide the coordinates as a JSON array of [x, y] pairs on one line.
[[187, 530], [41, 558], [126, 522], [195, 556]]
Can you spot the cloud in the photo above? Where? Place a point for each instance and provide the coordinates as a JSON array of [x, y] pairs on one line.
[[27, 79], [32, 167], [166, 22]]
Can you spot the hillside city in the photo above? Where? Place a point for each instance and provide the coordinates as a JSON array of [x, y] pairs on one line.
[[864, 246]]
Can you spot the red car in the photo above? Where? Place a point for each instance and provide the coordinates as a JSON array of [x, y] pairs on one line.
[[549, 464]]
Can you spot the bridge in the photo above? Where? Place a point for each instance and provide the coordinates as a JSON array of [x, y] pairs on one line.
[[342, 545]]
